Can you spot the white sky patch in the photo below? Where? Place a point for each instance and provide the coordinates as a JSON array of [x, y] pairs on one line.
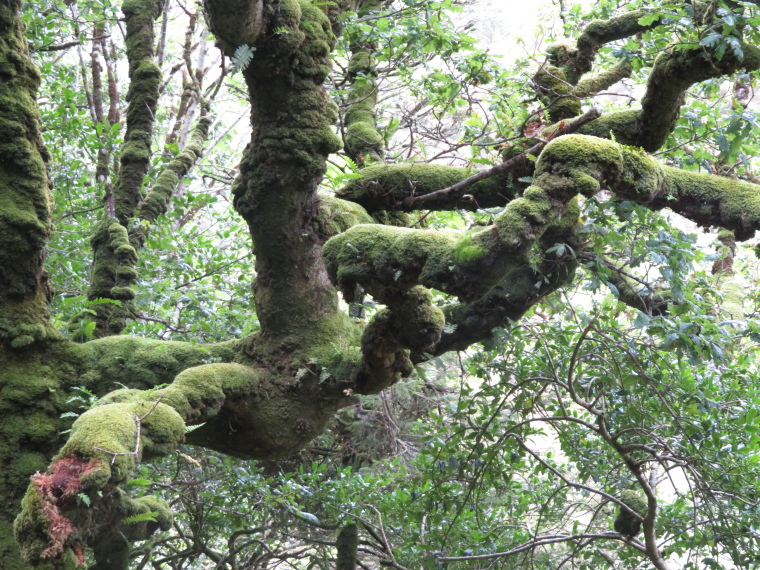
[[516, 28]]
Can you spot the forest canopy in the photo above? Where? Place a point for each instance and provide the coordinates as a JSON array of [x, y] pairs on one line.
[[328, 284]]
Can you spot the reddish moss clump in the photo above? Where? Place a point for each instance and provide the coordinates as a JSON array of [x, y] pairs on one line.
[[59, 489]]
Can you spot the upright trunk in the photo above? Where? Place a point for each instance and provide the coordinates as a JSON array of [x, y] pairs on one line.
[[27, 384], [292, 120]]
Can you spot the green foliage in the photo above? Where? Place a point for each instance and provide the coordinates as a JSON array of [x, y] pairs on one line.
[[242, 58], [141, 517]]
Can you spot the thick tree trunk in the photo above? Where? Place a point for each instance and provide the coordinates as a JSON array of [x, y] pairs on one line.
[[28, 423]]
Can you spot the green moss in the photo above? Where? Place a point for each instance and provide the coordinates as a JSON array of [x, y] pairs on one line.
[[626, 523], [134, 151], [109, 434], [712, 201], [515, 225], [333, 349], [363, 143], [417, 321], [336, 216], [598, 33], [602, 81], [622, 126], [31, 526], [142, 530], [198, 393], [122, 293], [724, 235], [22, 341], [141, 363], [111, 277], [145, 79], [556, 93], [363, 133], [36, 427], [465, 250], [641, 176], [383, 187], [126, 274], [25, 199], [387, 260], [157, 200], [361, 62]]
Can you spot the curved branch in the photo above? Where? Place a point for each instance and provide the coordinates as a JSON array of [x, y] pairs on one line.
[[489, 270], [673, 73], [576, 59]]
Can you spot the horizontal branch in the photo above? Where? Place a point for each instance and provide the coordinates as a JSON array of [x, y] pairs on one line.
[[455, 190], [543, 541]]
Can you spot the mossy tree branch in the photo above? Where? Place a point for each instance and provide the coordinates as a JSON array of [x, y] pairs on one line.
[[575, 59], [292, 119], [364, 145], [391, 263], [109, 250], [560, 87], [410, 187], [115, 252], [562, 99], [387, 187]]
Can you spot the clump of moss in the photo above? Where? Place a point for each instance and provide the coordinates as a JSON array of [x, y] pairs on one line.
[[626, 523], [556, 93], [199, 392]]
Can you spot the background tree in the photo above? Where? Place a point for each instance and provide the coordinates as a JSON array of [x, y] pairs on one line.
[[627, 407]]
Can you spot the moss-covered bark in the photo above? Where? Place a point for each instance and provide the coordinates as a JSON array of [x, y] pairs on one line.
[[364, 144], [385, 187], [289, 378], [562, 99], [292, 120], [389, 262], [672, 74], [112, 272], [265, 396], [27, 417], [560, 85], [25, 200], [35, 388]]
